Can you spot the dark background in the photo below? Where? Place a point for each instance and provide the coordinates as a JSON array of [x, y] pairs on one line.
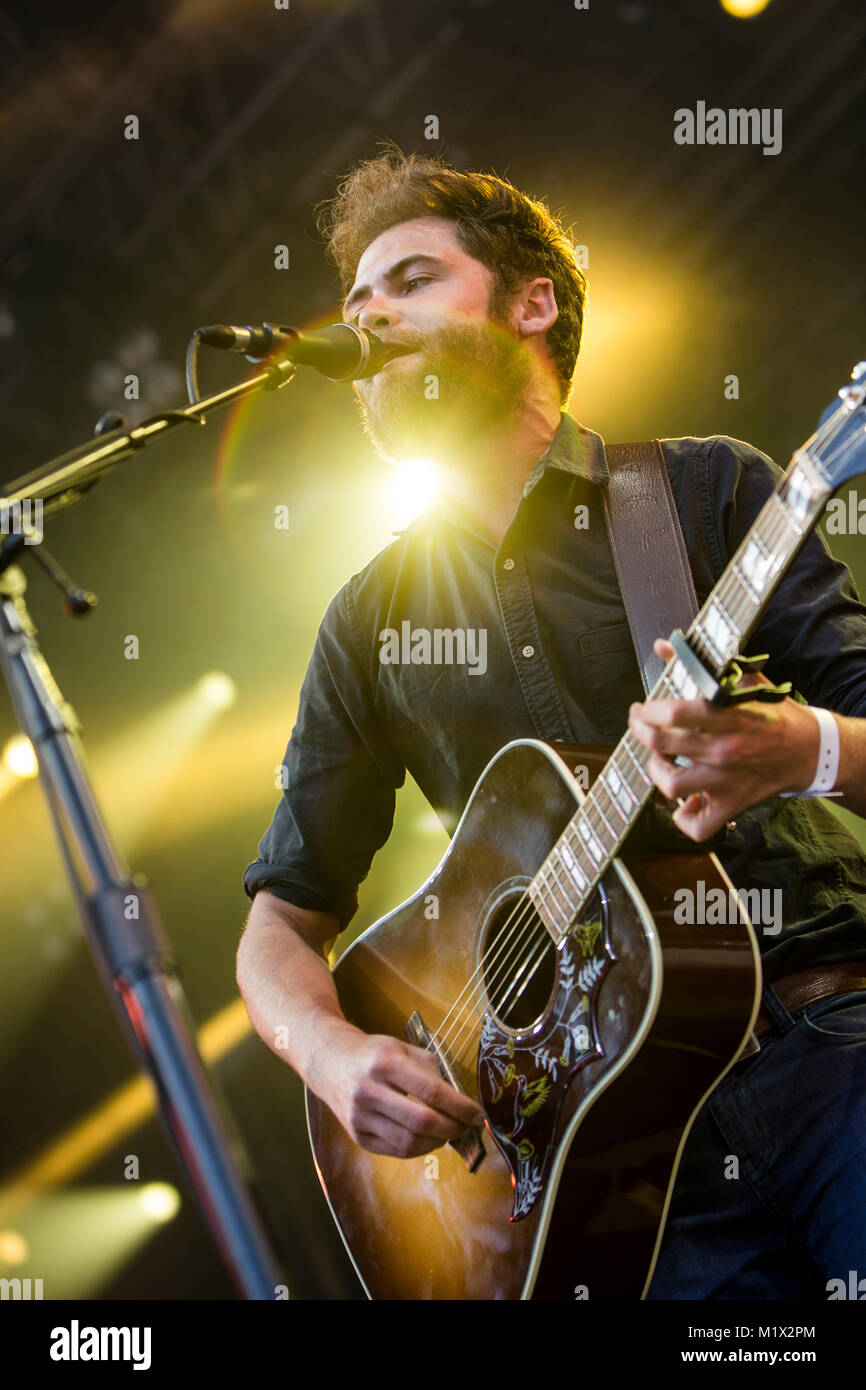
[[703, 262]]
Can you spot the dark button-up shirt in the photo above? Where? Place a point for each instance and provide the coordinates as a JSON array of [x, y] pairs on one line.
[[444, 647]]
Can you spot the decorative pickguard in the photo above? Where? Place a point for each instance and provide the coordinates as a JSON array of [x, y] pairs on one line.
[[522, 1078]]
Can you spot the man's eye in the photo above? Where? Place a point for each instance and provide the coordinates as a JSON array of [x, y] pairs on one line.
[[415, 280]]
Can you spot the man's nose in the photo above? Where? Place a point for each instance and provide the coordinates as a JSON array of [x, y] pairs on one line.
[[378, 312]]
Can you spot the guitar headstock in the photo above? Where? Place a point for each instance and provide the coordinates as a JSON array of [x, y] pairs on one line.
[[838, 446]]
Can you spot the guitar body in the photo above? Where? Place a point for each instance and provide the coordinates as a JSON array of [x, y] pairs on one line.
[[589, 1081]]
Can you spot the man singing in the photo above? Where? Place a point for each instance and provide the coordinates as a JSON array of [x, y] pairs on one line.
[[478, 289]]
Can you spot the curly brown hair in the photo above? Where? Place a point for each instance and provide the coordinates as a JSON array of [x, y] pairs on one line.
[[517, 238]]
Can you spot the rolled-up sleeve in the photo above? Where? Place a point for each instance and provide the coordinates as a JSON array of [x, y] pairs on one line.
[[340, 777]]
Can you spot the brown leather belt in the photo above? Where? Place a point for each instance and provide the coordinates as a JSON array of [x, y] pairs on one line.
[[798, 991]]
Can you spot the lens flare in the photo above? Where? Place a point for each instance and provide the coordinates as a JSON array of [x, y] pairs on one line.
[[13, 1248], [744, 9], [160, 1201], [19, 757], [412, 488], [217, 689]]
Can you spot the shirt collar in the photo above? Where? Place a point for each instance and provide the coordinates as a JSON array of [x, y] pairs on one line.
[[573, 449]]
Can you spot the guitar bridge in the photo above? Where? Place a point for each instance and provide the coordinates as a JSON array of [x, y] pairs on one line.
[[469, 1146]]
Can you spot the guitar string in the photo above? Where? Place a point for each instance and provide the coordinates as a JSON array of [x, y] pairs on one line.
[[509, 939], [457, 1044], [538, 957], [588, 809], [508, 942], [779, 525], [545, 937], [544, 945], [511, 980]]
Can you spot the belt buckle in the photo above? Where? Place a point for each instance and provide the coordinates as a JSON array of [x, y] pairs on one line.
[[752, 1046]]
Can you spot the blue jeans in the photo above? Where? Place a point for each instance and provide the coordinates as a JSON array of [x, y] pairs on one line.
[[791, 1122]]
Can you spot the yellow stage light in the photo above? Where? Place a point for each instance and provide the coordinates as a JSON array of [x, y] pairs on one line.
[[412, 488], [77, 1241], [131, 1105], [744, 9], [217, 689], [13, 1248], [160, 1200], [19, 757]]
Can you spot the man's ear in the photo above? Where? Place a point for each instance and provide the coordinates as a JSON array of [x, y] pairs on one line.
[[535, 309]]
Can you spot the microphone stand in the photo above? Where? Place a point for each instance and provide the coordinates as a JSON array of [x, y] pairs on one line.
[[121, 922]]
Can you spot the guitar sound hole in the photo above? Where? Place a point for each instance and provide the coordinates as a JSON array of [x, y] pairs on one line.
[[518, 962]]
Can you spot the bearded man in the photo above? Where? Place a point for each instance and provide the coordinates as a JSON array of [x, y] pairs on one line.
[[478, 292]]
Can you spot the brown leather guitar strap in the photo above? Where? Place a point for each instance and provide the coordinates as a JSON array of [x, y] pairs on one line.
[[652, 566], [649, 553]]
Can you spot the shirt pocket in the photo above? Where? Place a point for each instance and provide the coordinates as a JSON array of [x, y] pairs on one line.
[[613, 679]]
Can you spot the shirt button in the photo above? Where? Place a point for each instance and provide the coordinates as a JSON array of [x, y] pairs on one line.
[[529, 651], [508, 564]]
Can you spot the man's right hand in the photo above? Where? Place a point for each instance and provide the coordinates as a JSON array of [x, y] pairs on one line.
[[390, 1096]]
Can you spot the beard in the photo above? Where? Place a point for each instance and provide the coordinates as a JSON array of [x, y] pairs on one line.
[[468, 380]]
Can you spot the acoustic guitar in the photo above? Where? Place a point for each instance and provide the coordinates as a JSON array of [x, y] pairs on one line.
[[545, 965]]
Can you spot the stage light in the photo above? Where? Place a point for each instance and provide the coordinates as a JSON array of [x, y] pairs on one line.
[[130, 1106], [139, 768], [217, 689], [412, 488], [13, 1248], [744, 9], [160, 1201], [19, 757], [78, 1241]]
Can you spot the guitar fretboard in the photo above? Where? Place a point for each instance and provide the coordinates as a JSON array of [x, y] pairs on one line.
[[597, 831]]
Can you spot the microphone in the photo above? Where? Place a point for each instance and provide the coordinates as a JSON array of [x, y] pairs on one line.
[[341, 352]]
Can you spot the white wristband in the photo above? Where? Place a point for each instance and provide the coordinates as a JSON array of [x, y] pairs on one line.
[[827, 770]]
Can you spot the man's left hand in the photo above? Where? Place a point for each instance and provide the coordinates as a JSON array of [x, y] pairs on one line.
[[739, 756]]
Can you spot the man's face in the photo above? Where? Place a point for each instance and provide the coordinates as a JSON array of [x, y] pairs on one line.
[[465, 368]]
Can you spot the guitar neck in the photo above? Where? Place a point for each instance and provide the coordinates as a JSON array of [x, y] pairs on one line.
[[740, 598], [596, 833]]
